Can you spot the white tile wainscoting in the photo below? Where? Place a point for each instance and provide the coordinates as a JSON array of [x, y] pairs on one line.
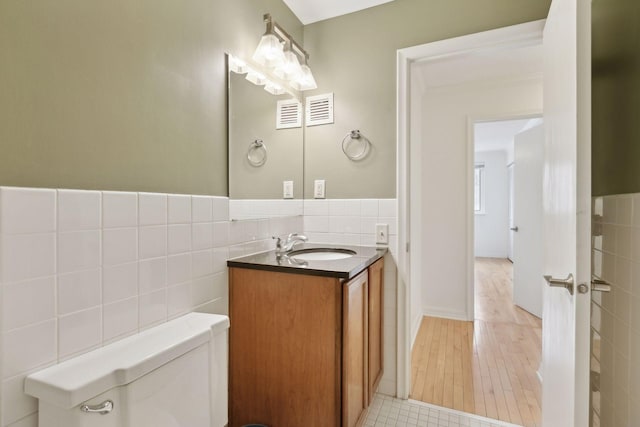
[[264, 208], [350, 221], [615, 316], [81, 269], [339, 221]]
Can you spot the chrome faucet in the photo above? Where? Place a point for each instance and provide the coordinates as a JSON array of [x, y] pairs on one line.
[[287, 245]]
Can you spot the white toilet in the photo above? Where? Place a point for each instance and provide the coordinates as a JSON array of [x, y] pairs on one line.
[[172, 375]]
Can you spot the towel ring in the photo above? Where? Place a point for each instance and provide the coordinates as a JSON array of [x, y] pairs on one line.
[[357, 136], [257, 153]]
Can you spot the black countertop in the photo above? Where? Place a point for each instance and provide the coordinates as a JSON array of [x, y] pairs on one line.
[[345, 268]]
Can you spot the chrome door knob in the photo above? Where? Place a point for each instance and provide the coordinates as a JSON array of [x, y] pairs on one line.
[[600, 285], [597, 285], [561, 283]]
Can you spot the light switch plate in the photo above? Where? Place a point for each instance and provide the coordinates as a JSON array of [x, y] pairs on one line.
[[287, 189], [318, 189], [382, 233]]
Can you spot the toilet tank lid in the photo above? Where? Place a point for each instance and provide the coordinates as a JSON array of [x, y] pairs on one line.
[[79, 379]]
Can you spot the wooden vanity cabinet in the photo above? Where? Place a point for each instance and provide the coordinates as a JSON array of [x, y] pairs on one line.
[[301, 347], [355, 348], [285, 349], [376, 326]]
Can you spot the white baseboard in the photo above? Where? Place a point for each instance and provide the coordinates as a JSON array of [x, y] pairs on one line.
[[387, 387], [501, 255], [446, 314]]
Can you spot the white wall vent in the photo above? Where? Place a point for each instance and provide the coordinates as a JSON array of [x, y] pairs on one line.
[[319, 109], [288, 114]]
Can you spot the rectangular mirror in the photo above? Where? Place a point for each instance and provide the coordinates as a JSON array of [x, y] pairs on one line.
[[262, 154]]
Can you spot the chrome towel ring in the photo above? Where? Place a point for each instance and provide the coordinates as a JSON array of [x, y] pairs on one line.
[[257, 153], [350, 144]]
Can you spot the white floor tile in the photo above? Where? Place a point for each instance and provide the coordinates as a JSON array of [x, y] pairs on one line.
[[389, 411]]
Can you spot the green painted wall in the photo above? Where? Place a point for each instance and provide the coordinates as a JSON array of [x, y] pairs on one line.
[[122, 94], [252, 115], [130, 95], [354, 56], [615, 97]]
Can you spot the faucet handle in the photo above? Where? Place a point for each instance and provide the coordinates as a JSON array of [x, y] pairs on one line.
[[278, 244]]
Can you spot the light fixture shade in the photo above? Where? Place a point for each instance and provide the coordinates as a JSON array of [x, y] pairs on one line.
[[237, 65], [290, 69], [305, 81], [273, 88], [269, 51], [255, 77]]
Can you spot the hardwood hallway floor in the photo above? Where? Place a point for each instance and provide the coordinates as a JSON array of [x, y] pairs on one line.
[[487, 367]]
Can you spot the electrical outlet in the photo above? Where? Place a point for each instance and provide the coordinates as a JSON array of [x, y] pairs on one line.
[[318, 189], [287, 189], [382, 233]]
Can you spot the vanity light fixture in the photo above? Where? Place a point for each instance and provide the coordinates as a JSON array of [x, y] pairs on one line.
[[274, 88], [255, 77], [305, 80], [269, 51], [290, 69], [237, 65], [284, 57]]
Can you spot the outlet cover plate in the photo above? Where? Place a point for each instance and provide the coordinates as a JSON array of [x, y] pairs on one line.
[[287, 189], [382, 233], [318, 189]]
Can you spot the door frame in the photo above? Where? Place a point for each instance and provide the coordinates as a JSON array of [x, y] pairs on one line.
[[510, 171], [508, 37], [471, 144]]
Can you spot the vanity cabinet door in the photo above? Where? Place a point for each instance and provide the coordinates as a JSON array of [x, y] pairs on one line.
[[355, 348], [285, 349], [376, 309]]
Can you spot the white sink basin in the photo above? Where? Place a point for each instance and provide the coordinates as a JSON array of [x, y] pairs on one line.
[[321, 254]]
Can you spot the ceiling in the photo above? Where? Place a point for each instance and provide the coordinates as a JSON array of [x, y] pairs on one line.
[[491, 64], [309, 11], [498, 135]]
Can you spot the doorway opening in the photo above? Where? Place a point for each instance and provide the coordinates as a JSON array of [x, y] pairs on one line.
[[440, 214], [488, 366], [567, 206], [508, 262], [508, 216]]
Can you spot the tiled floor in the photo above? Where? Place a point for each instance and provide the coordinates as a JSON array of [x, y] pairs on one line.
[[389, 411]]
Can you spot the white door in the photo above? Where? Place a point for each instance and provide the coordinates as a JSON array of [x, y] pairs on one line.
[[511, 223], [567, 211], [527, 225]]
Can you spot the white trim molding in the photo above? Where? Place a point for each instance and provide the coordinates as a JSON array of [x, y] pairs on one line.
[[446, 314]]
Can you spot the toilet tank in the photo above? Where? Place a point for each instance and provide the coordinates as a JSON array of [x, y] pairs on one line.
[[172, 375]]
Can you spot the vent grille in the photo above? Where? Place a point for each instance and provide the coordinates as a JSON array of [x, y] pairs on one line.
[[289, 114], [319, 109]]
